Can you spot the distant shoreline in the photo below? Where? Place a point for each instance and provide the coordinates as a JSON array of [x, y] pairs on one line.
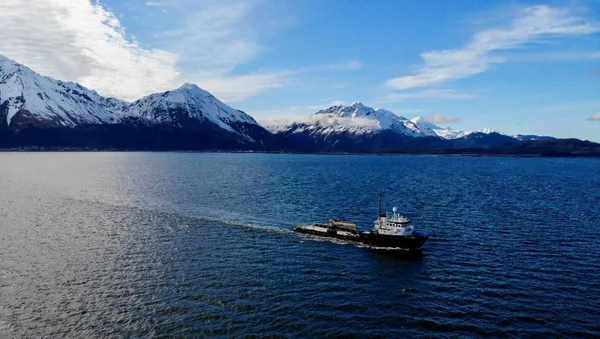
[[441, 153]]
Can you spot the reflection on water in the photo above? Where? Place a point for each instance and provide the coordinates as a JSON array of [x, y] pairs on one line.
[[192, 244]]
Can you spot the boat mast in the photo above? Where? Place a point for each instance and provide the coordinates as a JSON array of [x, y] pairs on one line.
[[380, 203]]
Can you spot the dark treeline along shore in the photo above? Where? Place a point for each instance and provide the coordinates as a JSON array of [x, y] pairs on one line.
[[135, 138]]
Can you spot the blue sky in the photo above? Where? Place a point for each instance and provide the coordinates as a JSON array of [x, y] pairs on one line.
[[515, 66]]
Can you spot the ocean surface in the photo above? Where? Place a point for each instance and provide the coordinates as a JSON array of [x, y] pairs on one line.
[[201, 244]]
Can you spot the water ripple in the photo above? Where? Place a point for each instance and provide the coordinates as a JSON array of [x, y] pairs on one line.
[[192, 245]]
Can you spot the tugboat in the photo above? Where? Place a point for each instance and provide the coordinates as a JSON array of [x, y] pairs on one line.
[[395, 233]]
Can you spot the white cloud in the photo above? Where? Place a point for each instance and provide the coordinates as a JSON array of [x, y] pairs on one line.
[[435, 93], [231, 88], [214, 39], [289, 114], [84, 42], [594, 117], [556, 56], [348, 65], [408, 111], [572, 106], [214, 34], [530, 25], [286, 114], [439, 119]]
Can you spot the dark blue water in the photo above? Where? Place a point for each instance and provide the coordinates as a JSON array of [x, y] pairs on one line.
[[186, 244]]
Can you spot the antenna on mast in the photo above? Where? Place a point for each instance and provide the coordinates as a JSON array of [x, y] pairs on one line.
[[380, 203]]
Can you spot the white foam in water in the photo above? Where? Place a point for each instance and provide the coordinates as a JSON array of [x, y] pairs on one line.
[[248, 225], [353, 243]]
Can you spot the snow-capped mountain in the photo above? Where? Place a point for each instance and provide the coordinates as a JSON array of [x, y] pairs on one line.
[[357, 127], [27, 98], [358, 119], [189, 105], [40, 111]]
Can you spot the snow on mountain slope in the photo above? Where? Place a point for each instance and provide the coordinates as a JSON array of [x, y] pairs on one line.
[[443, 132], [27, 97], [367, 120], [529, 137], [356, 119], [194, 101], [190, 102]]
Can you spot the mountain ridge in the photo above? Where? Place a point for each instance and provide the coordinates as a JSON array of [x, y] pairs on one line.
[[40, 112], [358, 127], [28, 99], [380, 119]]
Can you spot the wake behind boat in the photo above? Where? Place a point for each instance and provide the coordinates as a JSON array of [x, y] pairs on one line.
[[395, 232]]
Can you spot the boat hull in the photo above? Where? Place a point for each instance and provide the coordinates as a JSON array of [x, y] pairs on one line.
[[413, 243], [409, 244]]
